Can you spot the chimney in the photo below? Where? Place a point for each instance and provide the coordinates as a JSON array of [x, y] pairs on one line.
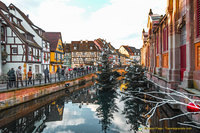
[[27, 16]]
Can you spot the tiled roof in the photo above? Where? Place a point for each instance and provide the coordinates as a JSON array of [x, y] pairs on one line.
[[67, 47], [128, 50], [131, 50], [82, 46], [101, 44], [53, 38]]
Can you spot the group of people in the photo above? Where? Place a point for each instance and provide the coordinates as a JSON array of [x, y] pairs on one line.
[[68, 72], [12, 76], [62, 73]]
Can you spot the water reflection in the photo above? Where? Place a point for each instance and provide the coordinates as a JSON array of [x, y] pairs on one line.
[[84, 110], [107, 106], [34, 121]]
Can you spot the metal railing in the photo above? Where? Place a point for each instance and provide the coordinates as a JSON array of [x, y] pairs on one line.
[[52, 78]]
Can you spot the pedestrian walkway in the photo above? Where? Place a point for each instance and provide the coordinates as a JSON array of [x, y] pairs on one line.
[[54, 78]]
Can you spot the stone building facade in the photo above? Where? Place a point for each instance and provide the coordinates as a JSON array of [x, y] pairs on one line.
[[171, 46]]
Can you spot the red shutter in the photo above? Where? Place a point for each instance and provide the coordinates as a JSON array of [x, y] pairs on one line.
[[167, 39], [198, 18]]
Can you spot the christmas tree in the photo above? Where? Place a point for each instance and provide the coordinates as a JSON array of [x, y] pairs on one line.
[[135, 108], [107, 78], [107, 107]]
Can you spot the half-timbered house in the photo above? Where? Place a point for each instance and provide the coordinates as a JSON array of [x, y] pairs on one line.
[[84, 53], [18, 45], [131, 52], [67, 57], [37, 32], [57, 51]]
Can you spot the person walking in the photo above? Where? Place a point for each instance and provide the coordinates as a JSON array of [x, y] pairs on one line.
[[30, 75], [46, 75], [12, 77], [19, 75]]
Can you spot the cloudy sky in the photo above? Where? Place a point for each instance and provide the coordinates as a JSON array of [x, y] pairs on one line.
[[118, 21]]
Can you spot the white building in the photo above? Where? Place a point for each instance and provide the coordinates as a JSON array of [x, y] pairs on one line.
[[18, 44], [37, 32]]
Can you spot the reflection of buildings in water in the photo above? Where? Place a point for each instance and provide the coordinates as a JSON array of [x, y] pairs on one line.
[[85, 95], [34, 121], [56, 110]]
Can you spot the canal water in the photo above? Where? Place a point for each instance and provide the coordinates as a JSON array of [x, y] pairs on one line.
[[83, 109]]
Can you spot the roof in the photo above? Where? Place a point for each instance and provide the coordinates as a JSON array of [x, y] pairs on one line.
[[26, 18], [131, 50], [82, 46], [101, 43], [3, 6], [53, 38], [128, 49], [15, 30], [23, 15], [67, 47]]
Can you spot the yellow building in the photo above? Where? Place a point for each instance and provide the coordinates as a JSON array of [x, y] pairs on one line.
[[57, 52]]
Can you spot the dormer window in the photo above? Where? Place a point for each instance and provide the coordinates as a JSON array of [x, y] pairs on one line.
[[28, 37]]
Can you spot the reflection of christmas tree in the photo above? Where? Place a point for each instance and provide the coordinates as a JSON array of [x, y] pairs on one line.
[[107, 107], [107, 77], [134, 108]]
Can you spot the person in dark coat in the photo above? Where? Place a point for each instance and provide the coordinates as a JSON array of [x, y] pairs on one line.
[[46, 75], [9, 78], [12, 77], [63, 72]]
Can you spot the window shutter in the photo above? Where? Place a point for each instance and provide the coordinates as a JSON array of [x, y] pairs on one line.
[[198, 18], [167, 39]]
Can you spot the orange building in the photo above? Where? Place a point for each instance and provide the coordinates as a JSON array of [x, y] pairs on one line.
[[57, 51]]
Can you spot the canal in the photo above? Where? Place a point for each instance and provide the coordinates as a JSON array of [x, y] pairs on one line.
[[84, 109]]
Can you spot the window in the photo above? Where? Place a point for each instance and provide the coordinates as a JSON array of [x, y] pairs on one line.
[[37, 69], [28, 37], [55, 56], [197, 56], [157, 44], [183, 35], [14, 50], [165, 39]]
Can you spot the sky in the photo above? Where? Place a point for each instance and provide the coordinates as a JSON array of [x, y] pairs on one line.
[[119, 22]]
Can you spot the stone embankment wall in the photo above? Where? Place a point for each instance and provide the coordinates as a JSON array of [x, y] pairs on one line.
[[18, 96]]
